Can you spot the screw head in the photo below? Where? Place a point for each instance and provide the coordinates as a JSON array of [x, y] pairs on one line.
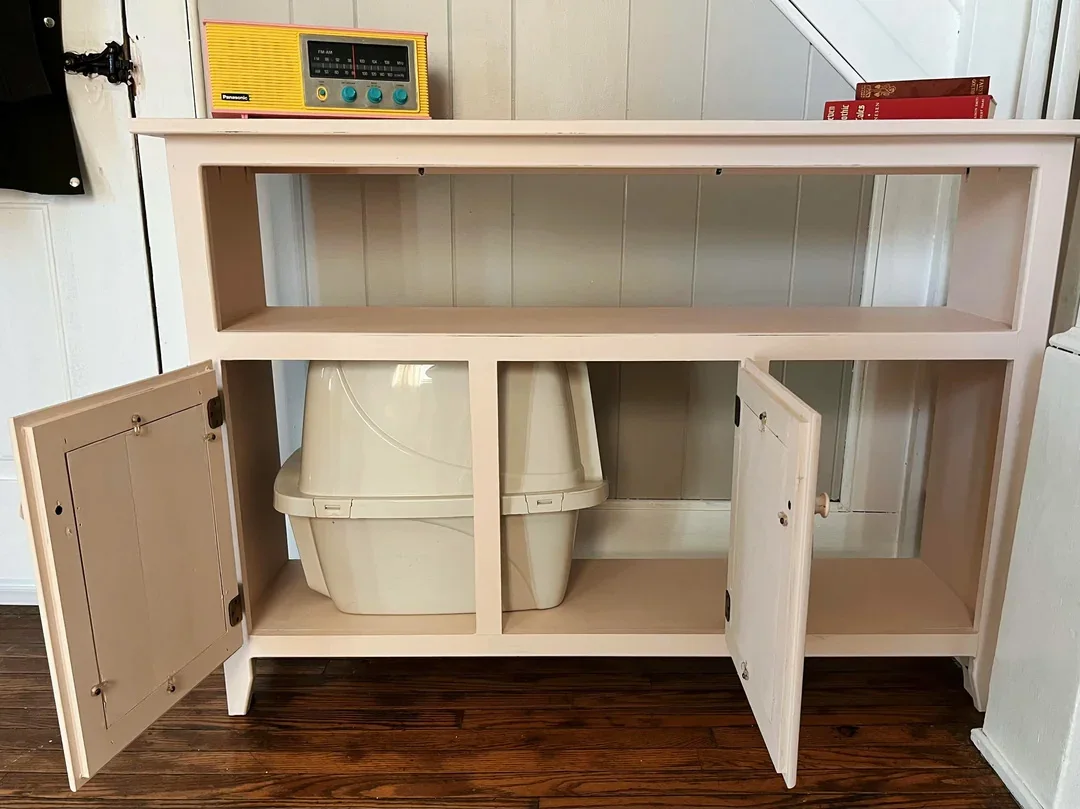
[[49, 22], [74, 182]]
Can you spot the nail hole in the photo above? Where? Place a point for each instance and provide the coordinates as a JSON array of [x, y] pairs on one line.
[[789, 505], [59, 509]]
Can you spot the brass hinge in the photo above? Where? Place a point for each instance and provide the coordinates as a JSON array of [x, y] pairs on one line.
[[236, 607], [215, 412]]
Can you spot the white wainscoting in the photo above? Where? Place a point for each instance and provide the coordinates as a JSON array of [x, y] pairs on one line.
[[489, 240], [75, 312]]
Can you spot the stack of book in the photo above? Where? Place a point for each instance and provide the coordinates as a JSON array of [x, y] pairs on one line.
[[921, 98]]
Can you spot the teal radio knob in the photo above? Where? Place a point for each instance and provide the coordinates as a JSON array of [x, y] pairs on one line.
[[374, 95], [348, 94], [401, 95]]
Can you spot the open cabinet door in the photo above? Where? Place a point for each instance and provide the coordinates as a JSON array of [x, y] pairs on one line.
[[772, 516], [127, 503]]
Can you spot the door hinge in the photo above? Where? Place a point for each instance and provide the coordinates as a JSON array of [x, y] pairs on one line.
[[727, 605], [112, 62], [738, 409], [215, 412], [236, 607]]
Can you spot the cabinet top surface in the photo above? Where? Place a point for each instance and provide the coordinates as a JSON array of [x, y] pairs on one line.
[[322, 127]]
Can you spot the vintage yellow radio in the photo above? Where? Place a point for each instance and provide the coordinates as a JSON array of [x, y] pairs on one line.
[[255, 69]]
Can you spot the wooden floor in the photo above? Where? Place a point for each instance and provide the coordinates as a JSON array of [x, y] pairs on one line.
[[413, 734]]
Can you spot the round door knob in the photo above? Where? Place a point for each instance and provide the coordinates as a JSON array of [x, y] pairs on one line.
[[348, 94], [374, 95], [821, 505], [401, 95]]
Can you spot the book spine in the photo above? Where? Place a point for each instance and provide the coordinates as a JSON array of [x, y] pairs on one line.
[[924, 88], [901, 108]]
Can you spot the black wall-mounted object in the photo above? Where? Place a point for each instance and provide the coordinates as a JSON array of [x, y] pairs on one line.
[[111, 62], [38, 149]]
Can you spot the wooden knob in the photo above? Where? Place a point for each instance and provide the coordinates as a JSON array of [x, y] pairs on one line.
[[821, 505]]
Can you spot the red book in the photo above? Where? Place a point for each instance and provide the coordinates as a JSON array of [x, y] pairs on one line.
[[924, 88], [901, 108]]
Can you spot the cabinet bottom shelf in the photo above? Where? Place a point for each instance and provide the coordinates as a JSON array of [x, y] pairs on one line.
[[636, 607]]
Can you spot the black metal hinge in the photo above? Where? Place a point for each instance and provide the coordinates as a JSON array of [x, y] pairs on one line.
[[727, 605], [738, 409], [236, 607], [215, 412], [112, 63]]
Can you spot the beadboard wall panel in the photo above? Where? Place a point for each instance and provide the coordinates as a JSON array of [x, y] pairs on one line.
[[665, 431]]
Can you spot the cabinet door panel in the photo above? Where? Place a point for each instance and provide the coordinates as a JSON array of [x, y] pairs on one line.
[[772, 513], [128, 510]]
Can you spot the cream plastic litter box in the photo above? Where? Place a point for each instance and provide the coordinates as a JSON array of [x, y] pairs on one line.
[[380, 494]]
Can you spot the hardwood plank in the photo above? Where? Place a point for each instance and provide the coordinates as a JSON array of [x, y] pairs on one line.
[[853, 756], [18, 612], [25, 665], [175, 765], [729, 701], [263, 735], [689, 717], [822, 801], [660, 785]]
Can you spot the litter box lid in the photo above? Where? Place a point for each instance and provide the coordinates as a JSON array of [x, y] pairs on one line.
[[289, 499], [400, 431]]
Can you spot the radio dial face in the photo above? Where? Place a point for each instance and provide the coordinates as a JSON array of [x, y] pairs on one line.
[[358, 73]]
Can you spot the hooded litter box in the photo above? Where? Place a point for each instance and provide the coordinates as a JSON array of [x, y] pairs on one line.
[[380, 494]]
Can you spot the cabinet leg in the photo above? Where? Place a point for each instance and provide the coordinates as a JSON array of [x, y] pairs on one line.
[[239, 679], [972, 684]]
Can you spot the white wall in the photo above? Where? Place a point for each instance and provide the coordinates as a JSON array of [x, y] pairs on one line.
[[544, 240], [75, 314], [1030, 730], [914, 38]]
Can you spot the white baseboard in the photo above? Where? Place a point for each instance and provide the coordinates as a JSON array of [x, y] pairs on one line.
[[1012, 780], [658, 529], [18, 591]]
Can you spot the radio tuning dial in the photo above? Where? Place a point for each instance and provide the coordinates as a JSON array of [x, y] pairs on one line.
[[374, 95]]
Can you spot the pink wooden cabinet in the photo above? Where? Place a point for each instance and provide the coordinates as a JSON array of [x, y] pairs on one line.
[[138, 498]]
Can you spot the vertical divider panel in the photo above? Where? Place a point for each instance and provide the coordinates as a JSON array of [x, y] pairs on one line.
[[254, 460], [487, 494], [236, 268], [987, 242], [964, 440]]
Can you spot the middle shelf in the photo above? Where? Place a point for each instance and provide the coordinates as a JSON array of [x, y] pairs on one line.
[[612, 333]]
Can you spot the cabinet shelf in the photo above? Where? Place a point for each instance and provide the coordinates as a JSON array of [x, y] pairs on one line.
[[588, 333], [638, 607]]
